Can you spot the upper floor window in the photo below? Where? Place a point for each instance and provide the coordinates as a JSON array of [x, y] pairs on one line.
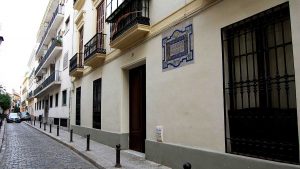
[[64, 97], [112, 5], [81, 40], [100, 18]]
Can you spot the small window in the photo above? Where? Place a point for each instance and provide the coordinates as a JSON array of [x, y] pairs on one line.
[[64, 97], [51, 101], [56, 100], [65, 61]]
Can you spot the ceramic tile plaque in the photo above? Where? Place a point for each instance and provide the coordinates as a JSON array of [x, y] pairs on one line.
[[178, 46]]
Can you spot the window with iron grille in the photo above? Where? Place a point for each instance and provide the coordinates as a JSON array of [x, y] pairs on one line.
[[259, 87], [78, 105], [97, 104]]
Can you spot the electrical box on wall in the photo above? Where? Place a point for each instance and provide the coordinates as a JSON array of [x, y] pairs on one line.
[[159, 133]]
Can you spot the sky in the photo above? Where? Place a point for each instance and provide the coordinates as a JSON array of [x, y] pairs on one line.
[[19, 23]]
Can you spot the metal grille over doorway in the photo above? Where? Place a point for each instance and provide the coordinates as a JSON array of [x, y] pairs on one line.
[[259, 87]]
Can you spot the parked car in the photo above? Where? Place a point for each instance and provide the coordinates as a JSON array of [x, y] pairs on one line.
[[13, 118], [25, 116]]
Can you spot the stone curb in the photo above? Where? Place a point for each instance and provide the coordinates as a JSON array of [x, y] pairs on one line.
[[2, 137], [70, 147]]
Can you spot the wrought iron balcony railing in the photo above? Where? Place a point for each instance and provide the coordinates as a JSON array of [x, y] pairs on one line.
[[95, 45], [58, 10], [127, 15], [54, 77], [56, 42], [30, 94], [76, 61]]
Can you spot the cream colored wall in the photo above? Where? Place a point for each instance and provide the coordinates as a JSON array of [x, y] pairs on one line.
[[187, 101], [86, 84], [161, 9]]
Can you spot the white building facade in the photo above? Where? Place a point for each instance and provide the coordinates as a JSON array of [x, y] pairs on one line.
[[210, 82], [52, 76]]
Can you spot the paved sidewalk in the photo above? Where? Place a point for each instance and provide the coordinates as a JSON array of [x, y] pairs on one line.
[[100, 155]]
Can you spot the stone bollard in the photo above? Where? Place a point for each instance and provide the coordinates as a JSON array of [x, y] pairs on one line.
[[118, 159], [57, 133], [71, 135], [187, 165], [88, 142]]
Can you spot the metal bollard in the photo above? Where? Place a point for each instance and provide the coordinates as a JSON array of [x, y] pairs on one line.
[[50, 128], [88, 142], [34, 122], [40, 124], [44, 126], [71, 135], [118, 149], [57, 131], [187, 165]]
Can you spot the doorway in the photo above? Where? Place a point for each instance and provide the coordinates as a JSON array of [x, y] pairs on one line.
[[137, 108]]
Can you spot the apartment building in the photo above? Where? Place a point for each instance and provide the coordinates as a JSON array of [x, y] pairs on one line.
[[52, 76], [24, 93], [211, 82]]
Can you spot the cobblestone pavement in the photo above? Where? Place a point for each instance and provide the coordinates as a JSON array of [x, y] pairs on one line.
[[27, 148]]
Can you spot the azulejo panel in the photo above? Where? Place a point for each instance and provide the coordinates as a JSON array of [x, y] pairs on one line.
[[178, 46]]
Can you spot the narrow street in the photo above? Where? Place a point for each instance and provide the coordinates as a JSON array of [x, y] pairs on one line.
[[27, 148]]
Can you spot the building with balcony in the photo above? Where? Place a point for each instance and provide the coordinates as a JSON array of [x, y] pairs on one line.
[[210, 82], [52, 82]]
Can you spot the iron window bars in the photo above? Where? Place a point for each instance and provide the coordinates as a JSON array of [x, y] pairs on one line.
[[259, 87]]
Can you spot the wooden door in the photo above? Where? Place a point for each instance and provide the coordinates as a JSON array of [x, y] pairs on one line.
[[137, 108]]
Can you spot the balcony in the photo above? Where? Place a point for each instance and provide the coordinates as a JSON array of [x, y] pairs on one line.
[[30, 95], [53, 24], [55, 48], [76, 65], [50, 82], [94, 50], [130, 23], [78, 4]]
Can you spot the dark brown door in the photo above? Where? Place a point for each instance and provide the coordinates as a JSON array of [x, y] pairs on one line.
[[97, 104], [137, 108]]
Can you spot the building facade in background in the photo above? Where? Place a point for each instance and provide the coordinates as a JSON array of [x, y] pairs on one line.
[[52, 80], [24, 93], [210, 82]]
